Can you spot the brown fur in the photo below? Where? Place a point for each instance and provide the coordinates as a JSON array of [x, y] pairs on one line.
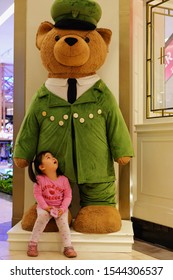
[[98, 219], [64, 61]]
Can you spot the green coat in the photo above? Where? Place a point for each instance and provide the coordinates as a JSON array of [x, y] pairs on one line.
[[86, 136]]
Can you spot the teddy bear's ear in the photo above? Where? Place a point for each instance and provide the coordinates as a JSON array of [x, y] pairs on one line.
[[43, 29], [106, 34]]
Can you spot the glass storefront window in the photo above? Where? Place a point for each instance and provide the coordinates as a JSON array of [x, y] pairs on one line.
[[159, 66]]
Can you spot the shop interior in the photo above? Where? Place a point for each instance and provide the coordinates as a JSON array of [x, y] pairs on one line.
[[6, 94], [6, 114], [6, 127]]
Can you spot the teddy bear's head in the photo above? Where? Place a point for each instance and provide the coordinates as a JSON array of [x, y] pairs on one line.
[[73, 47], [67, 53]]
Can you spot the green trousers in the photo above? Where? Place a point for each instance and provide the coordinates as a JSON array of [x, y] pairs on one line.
[[97, 194]]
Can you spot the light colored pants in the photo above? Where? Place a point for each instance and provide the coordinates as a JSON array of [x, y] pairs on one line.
[[42, 220]]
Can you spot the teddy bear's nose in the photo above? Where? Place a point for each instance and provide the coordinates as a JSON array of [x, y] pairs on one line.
[[71, 41]]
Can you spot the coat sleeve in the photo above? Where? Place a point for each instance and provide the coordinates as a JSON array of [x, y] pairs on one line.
[[117, 132], [27, 138]]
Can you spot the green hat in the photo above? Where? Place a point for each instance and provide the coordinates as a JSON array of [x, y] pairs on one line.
[[76, 14]]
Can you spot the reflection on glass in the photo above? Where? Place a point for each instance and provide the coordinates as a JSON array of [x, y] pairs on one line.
[[159, 60], [163, 62]]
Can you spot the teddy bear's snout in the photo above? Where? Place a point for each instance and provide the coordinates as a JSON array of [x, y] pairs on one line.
[[71, 41]]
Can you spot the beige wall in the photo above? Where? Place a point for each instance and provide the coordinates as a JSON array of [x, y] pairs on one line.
[[35, 74]]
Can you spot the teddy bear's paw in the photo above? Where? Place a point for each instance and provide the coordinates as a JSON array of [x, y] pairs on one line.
[[97, 219], [30, 216], [123, 160], [21, 163]]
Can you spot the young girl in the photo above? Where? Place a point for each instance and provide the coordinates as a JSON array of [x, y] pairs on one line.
[[53, 194]]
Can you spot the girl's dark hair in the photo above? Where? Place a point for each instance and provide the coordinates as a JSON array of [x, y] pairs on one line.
[[37, 161]]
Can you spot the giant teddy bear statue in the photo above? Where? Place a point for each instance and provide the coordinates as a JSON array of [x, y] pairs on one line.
[[86, 132]]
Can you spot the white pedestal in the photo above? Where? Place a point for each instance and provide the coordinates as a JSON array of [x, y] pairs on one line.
[[120, 241]]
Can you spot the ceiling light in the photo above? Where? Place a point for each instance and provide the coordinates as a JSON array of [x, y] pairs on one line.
[[8, 13]]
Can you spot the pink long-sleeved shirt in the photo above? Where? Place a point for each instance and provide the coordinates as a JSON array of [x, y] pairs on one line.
[[53, 193]]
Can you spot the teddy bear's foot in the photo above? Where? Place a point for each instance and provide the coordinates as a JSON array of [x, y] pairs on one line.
[[97, 219], [30, 216]]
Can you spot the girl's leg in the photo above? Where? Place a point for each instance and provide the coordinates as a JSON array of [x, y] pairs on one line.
[[62, 223], [42, 220]]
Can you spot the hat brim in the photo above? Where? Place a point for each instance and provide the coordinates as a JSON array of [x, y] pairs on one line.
[[75, 24]]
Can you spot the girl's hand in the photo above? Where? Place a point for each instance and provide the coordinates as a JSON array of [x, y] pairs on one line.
[[48, 209]]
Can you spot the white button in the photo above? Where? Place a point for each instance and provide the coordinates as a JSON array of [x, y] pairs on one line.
[[65, 117], [44, 113], [61, 123], [75, 115], [91, 116], [52, 118], [99, 111], [82, 120]]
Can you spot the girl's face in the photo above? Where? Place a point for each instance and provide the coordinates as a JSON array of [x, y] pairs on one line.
[[49, 162]]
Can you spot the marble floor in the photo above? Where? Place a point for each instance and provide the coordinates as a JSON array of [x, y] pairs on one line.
[[140, 251]]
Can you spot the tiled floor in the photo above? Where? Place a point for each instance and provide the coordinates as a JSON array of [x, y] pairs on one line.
[[5, 215], [141, 250], [21, 255]]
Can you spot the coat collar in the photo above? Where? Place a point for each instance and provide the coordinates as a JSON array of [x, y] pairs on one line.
[[89, 96]]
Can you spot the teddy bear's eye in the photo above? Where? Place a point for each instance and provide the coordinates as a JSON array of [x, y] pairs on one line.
[[87, 39], [57, 37]]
